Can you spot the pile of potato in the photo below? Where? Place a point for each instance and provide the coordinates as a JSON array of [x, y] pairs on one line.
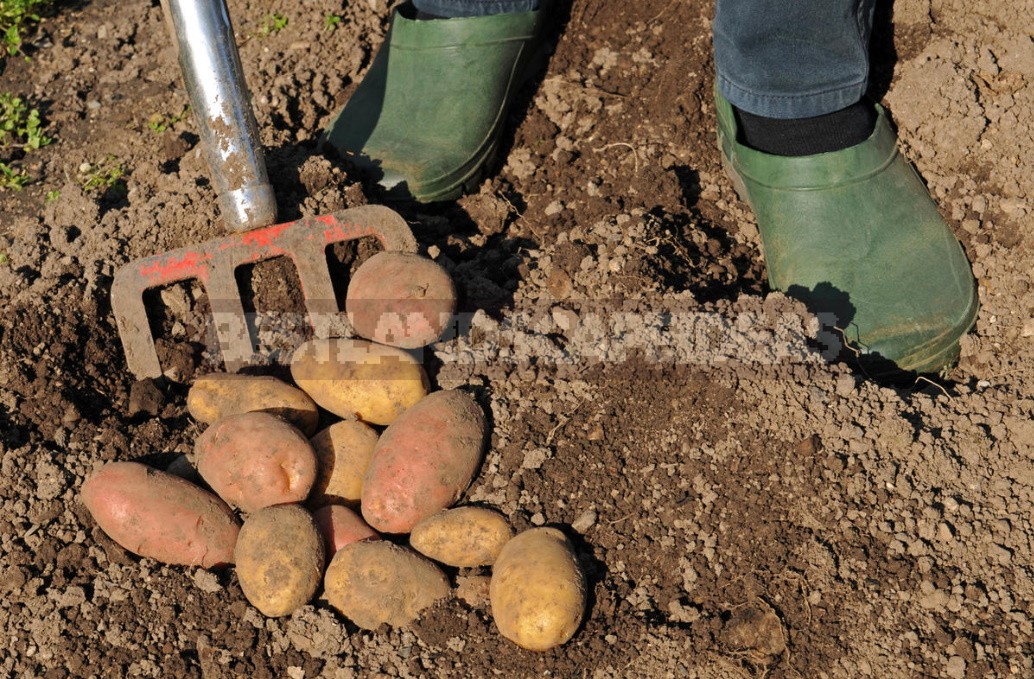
[[316, 503]]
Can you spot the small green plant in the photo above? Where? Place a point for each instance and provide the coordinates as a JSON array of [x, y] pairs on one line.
[[53, 195], [13, 178], [17, 17], [105, 178], [159, 122], [20, 126], [331, 21], [273, 23], [21, 131], [4, 259]]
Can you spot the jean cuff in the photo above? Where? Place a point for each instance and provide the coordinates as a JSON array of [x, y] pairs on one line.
[[784, 106], [474, 8]]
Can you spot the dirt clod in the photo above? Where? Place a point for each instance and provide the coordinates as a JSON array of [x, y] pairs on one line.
[[756, 629], [145, 398]]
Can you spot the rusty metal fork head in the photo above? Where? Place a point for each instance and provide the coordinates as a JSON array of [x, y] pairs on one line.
[[213, 265]]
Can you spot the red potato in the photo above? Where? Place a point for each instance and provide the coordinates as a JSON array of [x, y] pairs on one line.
[[400, 299], [340, 526], [161, 516], [423, 461], [254, 460]]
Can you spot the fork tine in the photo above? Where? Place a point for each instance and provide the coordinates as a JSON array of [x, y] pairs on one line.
[[213, 264]]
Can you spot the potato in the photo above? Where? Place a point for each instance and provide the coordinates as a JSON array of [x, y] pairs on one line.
[[423, 461], [537, 590], [213, 397], [254, 460], [340, 526], [343, 452], [464, 536], [356, 378], [279, 559], [372, 583], [400, 299], [161, 516]]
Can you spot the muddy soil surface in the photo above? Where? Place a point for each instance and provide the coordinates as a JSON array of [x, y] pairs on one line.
[[742, 507]]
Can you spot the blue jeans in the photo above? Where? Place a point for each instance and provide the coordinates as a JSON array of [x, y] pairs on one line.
[[473, 8], [773, 58], [792, 58]]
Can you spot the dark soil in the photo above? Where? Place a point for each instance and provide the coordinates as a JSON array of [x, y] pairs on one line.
[[741, 507]]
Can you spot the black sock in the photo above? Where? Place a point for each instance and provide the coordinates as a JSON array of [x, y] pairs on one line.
[[807, 136]]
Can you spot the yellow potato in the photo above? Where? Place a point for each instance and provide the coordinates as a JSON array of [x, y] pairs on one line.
[[464, 536], [372, 583], [280, 560], [218, 395], [537, 590], [343, 453], [357, 378]]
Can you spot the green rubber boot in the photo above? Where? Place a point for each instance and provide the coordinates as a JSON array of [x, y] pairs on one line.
[[425, 121], [855, 235]]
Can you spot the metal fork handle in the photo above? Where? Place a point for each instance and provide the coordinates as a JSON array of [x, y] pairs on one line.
[[215, 84]]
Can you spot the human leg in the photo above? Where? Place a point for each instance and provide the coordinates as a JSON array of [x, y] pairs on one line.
[[850, 229], [800, 59], [796, 90]]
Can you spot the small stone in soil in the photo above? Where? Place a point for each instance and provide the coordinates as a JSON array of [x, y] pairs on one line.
[[956, 668], [585, 521], [145, 398], [809, 445], [207, 581], [473, 589]]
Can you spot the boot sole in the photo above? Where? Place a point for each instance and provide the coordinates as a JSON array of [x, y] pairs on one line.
[[454, 188]]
